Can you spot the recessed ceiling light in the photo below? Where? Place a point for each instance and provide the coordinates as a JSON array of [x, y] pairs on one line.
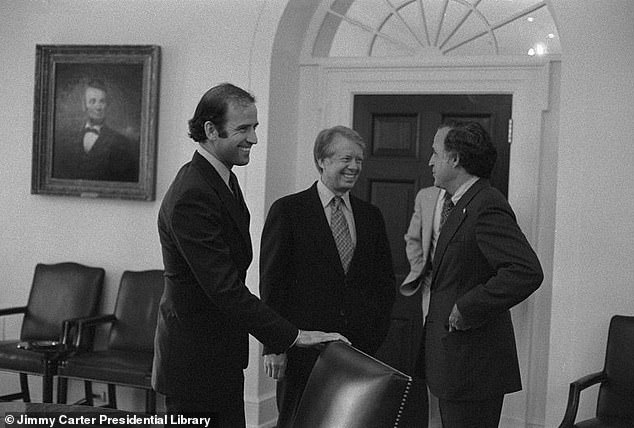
[[530, 19], [531, 52], [551, 36]]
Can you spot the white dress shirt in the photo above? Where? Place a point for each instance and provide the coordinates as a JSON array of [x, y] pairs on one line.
[[220, 167]]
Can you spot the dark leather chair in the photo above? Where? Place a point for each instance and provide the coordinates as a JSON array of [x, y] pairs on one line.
[[615, 403], [350, 389], [127, 358], [59, 291]]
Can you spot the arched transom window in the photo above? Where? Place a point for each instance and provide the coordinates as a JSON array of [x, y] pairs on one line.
[[383, 28]]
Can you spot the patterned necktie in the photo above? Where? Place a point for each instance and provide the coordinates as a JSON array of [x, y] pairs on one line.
[[340, 232], [235, 189], [447, 206]]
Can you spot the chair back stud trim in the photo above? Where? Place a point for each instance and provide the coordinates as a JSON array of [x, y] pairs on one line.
[[403, 401]]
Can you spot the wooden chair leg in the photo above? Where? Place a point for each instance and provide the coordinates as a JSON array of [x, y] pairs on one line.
[[24, 386], [47, 382], [62, 390], [88, 393], [112, 396], [150, 402]]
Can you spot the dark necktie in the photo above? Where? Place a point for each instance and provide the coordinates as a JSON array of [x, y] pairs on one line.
[[235, 189], [340, 232], [447, 206]]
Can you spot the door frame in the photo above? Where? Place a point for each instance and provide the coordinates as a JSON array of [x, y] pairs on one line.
[[326, 96]]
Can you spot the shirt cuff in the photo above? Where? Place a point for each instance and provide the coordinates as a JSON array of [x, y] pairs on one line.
[[296, 339]]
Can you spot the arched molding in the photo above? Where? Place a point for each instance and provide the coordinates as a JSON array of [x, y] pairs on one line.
[[423, 28]]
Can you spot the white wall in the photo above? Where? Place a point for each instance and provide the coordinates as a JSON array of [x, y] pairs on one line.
[[203, 42], [593, 269]]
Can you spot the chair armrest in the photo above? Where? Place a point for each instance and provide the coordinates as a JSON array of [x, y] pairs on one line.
[[574, 394], [80, 325], [11, 311]]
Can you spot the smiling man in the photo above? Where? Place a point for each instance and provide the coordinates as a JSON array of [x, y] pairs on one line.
[[325, 263], [206, 312]]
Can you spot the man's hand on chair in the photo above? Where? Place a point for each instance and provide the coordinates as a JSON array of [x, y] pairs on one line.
[[311, 338], [275, 365]]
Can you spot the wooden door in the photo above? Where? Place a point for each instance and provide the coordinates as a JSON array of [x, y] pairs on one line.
[[399, 131]]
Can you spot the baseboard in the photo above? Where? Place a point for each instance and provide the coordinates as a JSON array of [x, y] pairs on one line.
[[507, 422], [262, 413]]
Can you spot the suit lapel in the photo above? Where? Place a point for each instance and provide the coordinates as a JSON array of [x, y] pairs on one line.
[[362, 228], [240, 217], [454, 221], [316, 221]]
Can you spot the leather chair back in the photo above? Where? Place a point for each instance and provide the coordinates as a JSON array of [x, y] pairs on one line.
[[60, 291], [136, 311], [616, 396], [348, 388]]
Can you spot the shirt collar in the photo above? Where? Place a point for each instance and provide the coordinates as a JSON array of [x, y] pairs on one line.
[[326, 195], [220, 167], [463, 189], [97, 127]]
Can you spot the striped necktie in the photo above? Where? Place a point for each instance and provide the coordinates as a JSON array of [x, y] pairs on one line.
[[341, 233], [447, 206]]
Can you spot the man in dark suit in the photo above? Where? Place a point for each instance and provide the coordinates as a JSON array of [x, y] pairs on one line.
[[325, 264], [92, 150], [482, 266], [206, 312]]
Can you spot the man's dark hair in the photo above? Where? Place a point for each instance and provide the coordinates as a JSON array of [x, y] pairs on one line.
[[473, 145], [97, 84], [213, 107]]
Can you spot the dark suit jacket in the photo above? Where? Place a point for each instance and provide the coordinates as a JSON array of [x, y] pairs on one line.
[[302, 278], [206, 311], [112, 158], [484, 263]]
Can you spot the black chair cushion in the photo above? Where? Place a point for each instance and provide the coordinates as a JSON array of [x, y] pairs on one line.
[[350, 389], [20, 360], [136, 311], [113, 366], [60, 291], [616, 396]]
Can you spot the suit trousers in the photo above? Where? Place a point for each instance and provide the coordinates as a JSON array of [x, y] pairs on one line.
[[289, 393], [228, 413], [421, 385], [471, 414]]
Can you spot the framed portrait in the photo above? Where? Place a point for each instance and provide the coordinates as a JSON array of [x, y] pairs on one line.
[[95, 121]]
